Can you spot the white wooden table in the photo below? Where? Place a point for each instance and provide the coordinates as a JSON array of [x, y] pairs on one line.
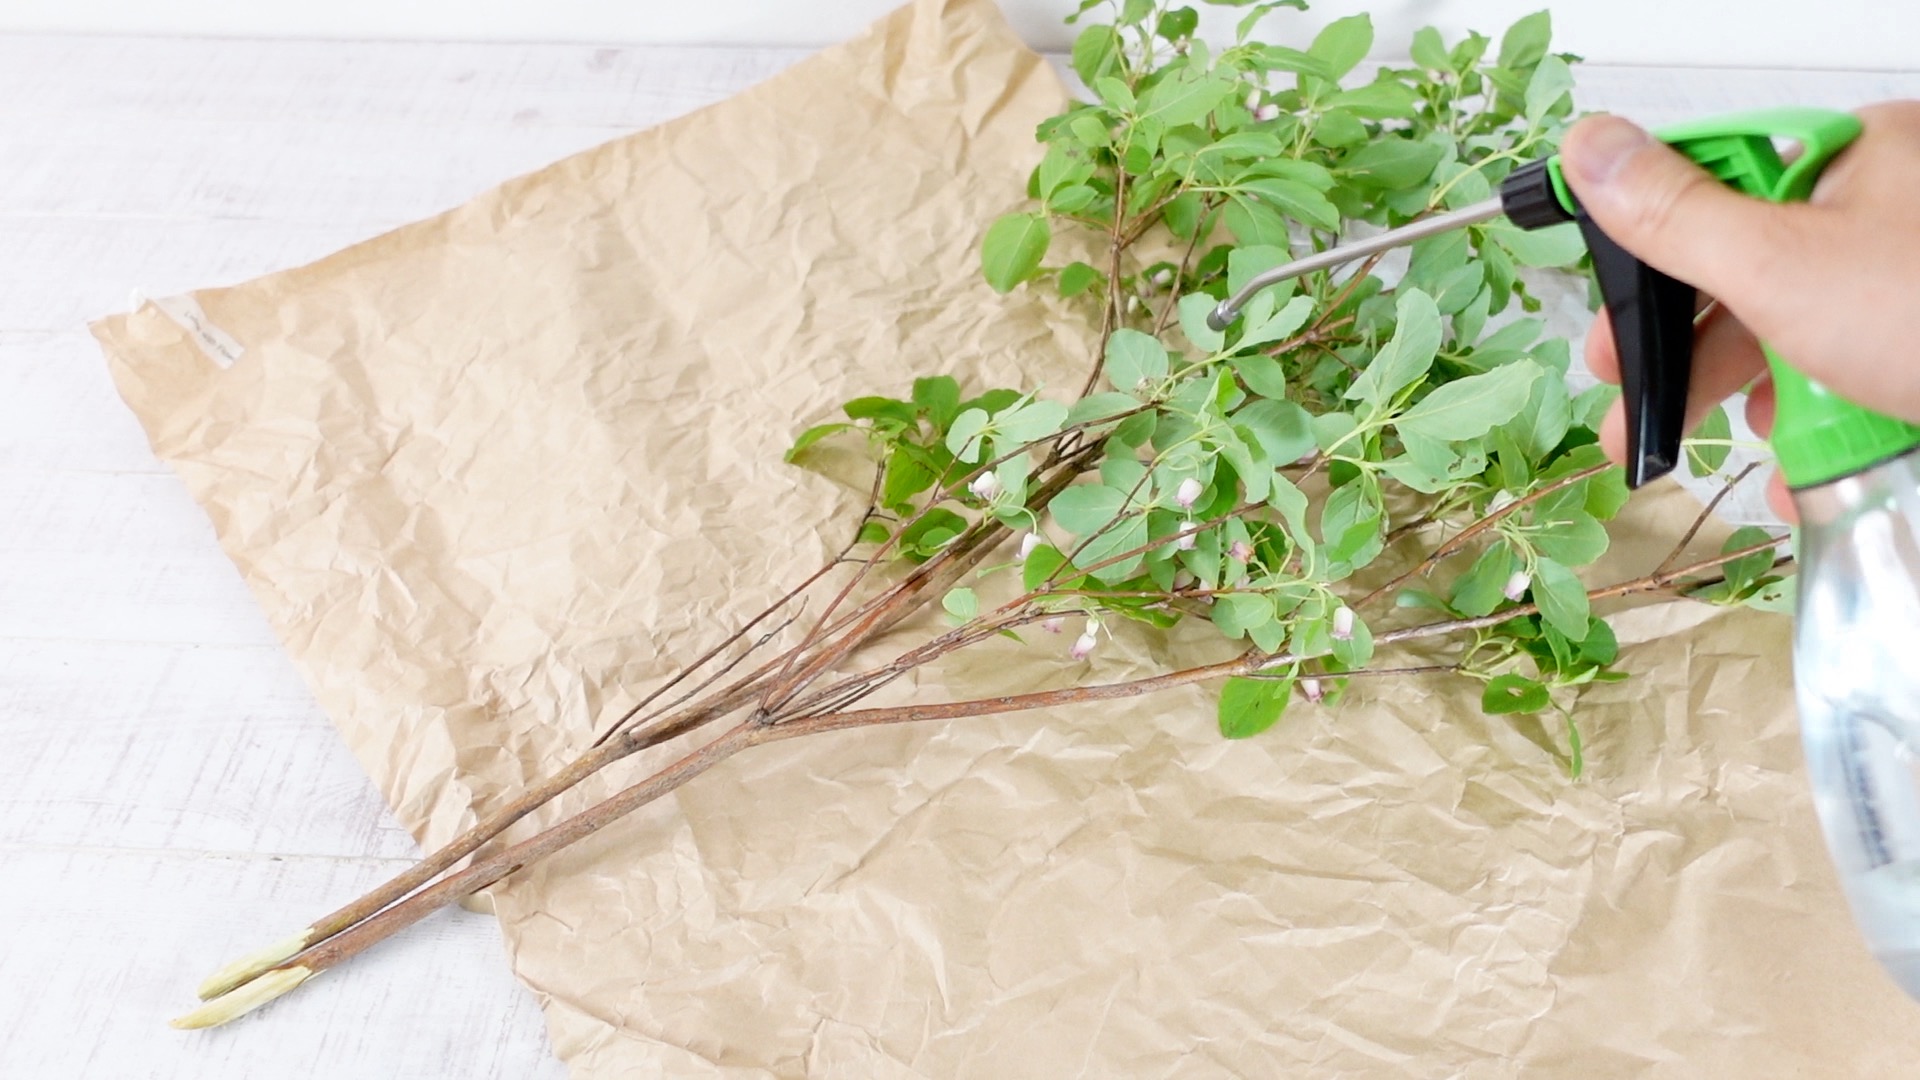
[[169, 794]]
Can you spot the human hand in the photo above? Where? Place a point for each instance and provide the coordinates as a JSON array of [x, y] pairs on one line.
[[1832, 284]]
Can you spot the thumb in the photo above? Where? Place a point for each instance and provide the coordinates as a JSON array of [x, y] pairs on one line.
[[1678, 218]]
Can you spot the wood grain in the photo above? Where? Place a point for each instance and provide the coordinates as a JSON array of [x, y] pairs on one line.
[[172, 795]]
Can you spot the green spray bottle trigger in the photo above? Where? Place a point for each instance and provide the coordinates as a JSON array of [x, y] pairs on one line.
[[1818, 436]]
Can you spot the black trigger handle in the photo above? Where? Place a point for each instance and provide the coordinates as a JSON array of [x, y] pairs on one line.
[[1652, 316], [1652, 321]]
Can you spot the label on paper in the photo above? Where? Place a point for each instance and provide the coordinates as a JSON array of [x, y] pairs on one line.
[[219, 345]]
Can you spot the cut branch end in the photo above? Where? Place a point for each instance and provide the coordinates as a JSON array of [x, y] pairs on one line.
[[250, 966], [243, 1000]]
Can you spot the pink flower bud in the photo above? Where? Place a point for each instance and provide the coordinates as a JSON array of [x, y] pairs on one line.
[[1266, 112], [1343, 624], [1162, 277], [1028, 541], [1083, 646], [1187, 493], [1241, 550], [1053, 625], [1517, 585], [985, 486], [1312, 688]]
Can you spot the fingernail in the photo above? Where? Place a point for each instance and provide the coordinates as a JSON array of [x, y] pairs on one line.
[[1597, 149]]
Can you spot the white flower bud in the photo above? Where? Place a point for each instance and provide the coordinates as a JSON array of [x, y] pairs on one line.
[[1241, 550], [1133, 305], [1187, 539], [1083, 645], [1500, 501], [1343, 624], [1188, 493], [1028, 541], [1253, 99], [1516, 586], [985, 486], [1312, 688], [1182, 580]]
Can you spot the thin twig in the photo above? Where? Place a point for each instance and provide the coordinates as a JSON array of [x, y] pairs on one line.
[[1705, 513]]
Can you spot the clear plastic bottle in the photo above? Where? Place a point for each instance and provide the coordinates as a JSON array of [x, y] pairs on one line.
[[1857, 682]]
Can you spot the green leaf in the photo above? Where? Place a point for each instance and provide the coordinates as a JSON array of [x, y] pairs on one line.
[[899, 413], [1063, 166], [1746, 569], [963, 438], [1600, 645], [1296, 200], [939, 398], [1101, 406], [1775, 594], [1283, 429], [1095, 52], [1592, 405], [1332, 429], [1128, 534], [1262, 374], [1076, 278], [1114, 93], [906, 477], [1512, 693], [1040, 566], [1244, 263], [1469, 408], [1342, 45], [813, 435], [1704, 459], [934, 528], [1013, 249], [1383, 100], [1429, 51], [1551, 82], [1561, 597], [1178, 23], [1085, 509], [1277, 325], [1184, 96], [1556, 245], [872, 532], [1352, 521], [961, 603], [1090, 127], [1391, 162], [1238, 613], [1194, 308], [1136, 362], [1339, 128], [1574, 537], [1525, 42], [1251, 706], [1029, 423], [1406, 358], [1482, 588]]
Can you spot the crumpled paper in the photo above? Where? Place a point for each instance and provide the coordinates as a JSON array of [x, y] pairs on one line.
[[492, 476]]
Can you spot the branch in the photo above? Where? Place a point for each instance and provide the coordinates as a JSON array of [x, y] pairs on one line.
[[1476, 529]]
